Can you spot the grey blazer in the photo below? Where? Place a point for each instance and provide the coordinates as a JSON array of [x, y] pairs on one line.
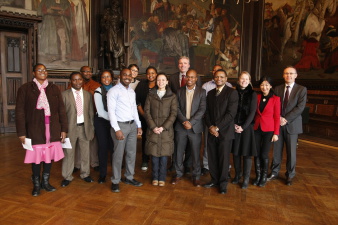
[[294, 108], [88, 113], [198, 107]]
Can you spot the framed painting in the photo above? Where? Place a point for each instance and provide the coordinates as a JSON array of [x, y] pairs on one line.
[[302, 34], [207, 31], [63, 35], [13, 3]]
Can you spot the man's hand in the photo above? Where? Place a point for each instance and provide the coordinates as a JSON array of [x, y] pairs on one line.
[[119, 135], [63, 136], [213, 131], [22, 139], [139, 131], [187, 125], [283, 121]]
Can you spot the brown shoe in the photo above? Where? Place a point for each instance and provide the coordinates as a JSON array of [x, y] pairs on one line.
[[196, 183], [175, 180]]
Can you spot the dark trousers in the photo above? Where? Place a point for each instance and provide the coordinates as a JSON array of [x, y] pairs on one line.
[[105, 143], [159, 168], [218, 159], [263, 143], [183, 139], [290, 141]]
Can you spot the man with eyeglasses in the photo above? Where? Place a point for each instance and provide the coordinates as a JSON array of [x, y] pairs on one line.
[[293, 100], [89, 85]]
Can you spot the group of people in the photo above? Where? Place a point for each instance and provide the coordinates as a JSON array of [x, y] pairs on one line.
[[171, 114]]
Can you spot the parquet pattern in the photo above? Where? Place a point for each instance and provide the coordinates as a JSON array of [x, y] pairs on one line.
[[313, 199]]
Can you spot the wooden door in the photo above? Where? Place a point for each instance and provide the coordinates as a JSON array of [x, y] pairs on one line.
[[13, 69]]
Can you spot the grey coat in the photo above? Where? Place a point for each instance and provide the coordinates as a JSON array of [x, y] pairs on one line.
[[160, 113]]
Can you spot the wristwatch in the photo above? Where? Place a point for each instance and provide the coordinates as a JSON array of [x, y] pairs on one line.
[[217, 129]]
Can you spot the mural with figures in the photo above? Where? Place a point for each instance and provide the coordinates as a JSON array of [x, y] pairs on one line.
[[301, 33], [207, 31]]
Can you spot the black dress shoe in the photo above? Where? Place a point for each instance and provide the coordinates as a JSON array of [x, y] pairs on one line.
[[289, 181], [75, 169], [115, 188], [88, 179], [101, 180], [65, 183], [96, 168], [272, 177], [132, 182], [204, 171], [223, 191], [210, 185]]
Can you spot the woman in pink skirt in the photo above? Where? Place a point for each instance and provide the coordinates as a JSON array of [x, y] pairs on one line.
[[40, 116]]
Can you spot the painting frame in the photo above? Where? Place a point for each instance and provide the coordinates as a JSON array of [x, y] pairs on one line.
[[65, 59], [202, 56]]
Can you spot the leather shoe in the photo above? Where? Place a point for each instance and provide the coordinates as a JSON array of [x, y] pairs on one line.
[[210, 185], [88, 179], [115, 188], [101, 180], [75, 169], [196, 182], [289, 181], [132, 182], [65, 183], [223, 191], [175, 180], [272, 177]]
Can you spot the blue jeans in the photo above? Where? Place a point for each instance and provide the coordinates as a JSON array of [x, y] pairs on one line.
[[159, 167]]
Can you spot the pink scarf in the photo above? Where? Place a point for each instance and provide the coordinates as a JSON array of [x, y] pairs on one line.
[[42, 100]]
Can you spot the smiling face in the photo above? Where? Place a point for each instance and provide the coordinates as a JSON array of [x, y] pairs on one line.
[[40, 73], [151, 75], [265, 87], [183, 65], [106, 78], [76, 81], [125, 77], [134, 71], [86, 72], [161, 82], [191, 79], [244, 80], [220, 78], [289, 75]]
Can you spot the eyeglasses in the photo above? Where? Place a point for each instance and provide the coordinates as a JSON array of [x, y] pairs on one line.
[[136, 71], [40, 71], [289, 73]]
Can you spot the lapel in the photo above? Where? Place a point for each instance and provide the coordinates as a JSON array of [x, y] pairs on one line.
[[259, 97], [72, 99], [195, 100], [183, 100], [85, 101]]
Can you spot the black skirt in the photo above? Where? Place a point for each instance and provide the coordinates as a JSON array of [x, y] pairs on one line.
[[244, 143]]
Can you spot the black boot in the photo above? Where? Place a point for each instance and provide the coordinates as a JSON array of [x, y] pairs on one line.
[[258, 171], [264, 177], [246, 173], [237, 166], [36, 185], [45, 183]]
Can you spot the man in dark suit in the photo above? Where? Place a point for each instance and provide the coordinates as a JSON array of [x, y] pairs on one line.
[[219, 117], [176, 81], [293, 101], [80, 113], [189, 126]]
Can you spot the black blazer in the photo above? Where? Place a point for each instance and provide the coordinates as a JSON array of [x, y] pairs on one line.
[[221, 111], [174, 82], [198, 107]]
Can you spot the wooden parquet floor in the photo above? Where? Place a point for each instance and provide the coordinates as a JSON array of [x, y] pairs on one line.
[[313, 199]]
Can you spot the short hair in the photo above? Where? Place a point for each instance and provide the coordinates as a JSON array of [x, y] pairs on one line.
[[292, 67], [36, 65], [265, 78], [151, 67], [133, 65], [221, 70], [103, 71], [85, 66], [192, 70], [74, 73], [184, 57]]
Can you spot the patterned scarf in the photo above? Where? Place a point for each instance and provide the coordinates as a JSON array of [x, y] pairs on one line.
[[42, 100]]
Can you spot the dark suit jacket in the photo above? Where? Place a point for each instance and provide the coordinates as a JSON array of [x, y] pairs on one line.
[[294, 108], [88, 113], [269, 119], [198, 107], [174, 82], [221, 111]]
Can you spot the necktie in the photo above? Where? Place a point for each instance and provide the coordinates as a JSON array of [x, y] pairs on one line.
[[286, 99], [183, 80], [78, 101], [217, 92]]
